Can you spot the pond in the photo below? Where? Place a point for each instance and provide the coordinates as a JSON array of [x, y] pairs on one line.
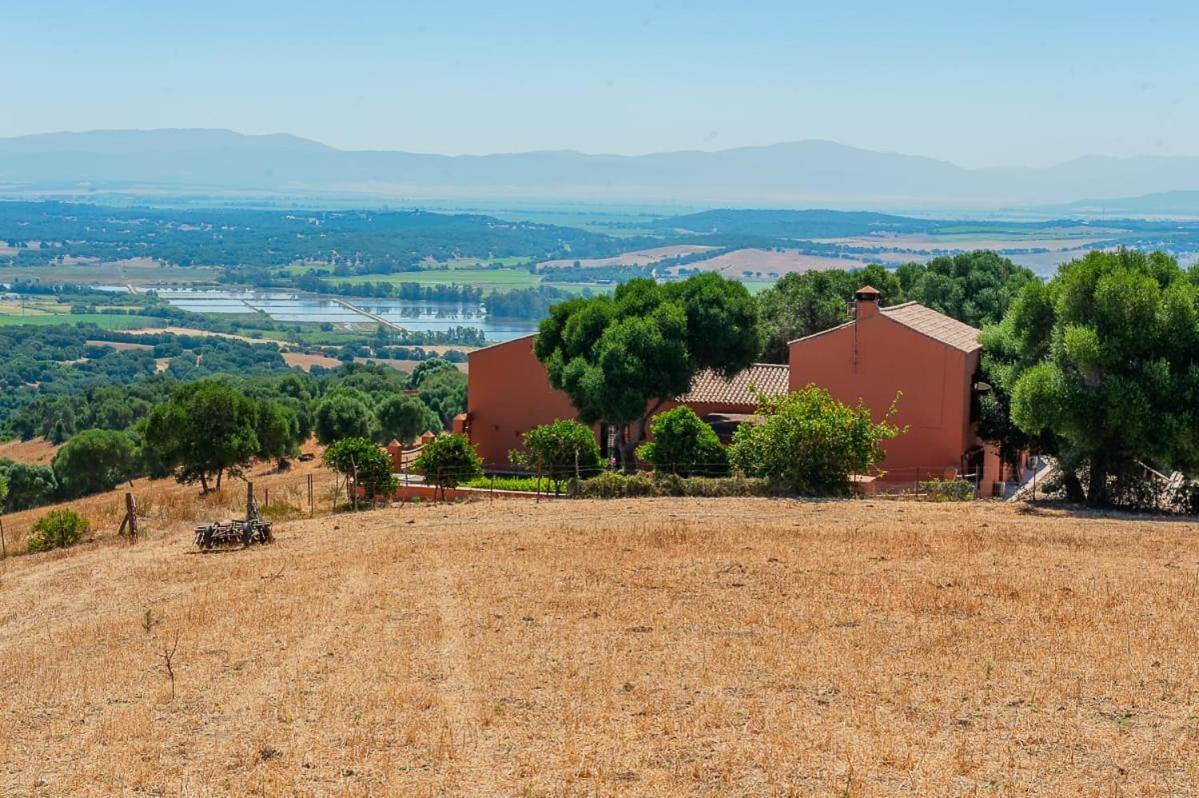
[[415, 315]]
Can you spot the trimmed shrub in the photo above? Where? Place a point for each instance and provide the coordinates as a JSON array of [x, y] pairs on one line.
[[559, 450], [448, 461], [57, 529], [683, 444]]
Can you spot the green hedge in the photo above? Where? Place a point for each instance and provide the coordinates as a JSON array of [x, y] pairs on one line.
[[611, 485], [947, 490]]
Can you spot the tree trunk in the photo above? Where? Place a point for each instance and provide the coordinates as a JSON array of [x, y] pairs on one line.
[[219, 472], [628, 448], [1073, 485], [203, 484], [1097, 484], [628, 457]]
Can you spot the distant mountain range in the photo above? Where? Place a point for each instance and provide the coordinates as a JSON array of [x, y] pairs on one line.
[[797, 173]]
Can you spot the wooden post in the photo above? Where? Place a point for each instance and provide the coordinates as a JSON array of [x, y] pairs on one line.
[[266, 496], [130, 520], [3, 545], [311, 506], [251, 508]]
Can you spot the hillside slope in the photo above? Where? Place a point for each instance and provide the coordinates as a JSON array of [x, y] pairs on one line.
[[657, 647]]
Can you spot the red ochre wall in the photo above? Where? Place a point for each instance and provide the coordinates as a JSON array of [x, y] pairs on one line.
[[509, 393], [935, 381]]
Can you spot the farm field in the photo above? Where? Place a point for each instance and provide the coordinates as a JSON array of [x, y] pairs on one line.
[[486, 279], [136, 272], [641, 257], [647, 647], [764, 262], [105, 321]]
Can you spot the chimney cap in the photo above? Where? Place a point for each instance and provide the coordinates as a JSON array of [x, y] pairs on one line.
[[867, 292]]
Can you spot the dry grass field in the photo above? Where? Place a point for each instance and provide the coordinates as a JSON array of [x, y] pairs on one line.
[[654, 647], [37, 451], [641, 257]]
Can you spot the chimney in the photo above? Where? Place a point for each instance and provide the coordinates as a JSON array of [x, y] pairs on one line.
[[865, 302]]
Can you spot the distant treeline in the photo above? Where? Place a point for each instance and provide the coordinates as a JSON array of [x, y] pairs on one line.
[[354, 242]]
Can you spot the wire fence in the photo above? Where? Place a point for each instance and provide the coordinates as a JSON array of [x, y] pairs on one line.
[[165, 505]]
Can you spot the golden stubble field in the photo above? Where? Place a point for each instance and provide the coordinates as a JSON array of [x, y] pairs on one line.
[[654, 647]]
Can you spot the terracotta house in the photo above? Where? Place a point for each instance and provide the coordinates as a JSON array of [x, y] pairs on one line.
[[927, 357]]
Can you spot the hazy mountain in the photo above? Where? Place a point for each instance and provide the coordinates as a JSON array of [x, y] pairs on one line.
[[800, 172], [1168, 203]]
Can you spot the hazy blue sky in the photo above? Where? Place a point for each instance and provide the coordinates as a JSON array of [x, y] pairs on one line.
[[1016, 82]]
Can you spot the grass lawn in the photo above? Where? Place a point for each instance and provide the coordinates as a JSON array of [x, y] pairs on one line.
[[481, 278], [105, 321]]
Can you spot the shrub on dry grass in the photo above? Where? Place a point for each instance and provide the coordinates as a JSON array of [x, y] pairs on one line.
[[57, 529]]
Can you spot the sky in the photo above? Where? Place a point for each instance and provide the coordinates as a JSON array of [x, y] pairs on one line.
[[1000, 83]]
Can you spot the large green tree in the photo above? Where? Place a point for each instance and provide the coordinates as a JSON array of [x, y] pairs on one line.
[[444, 391], [94, 461], [28, 485], [204, 430], [405, 418], [973, 287], [1102, 366], [342, 415], [620, 358], [803, 303]]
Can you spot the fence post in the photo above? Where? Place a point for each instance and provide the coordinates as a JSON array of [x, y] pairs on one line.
[[266, 496], [130, 520], [3, 545], [251, 510], [311, 506]]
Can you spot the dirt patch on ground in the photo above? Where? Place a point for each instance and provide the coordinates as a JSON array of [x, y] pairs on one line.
[[120, 346], [307, 361], [769, 263], [653, 647], [641, 257], [37, 451]]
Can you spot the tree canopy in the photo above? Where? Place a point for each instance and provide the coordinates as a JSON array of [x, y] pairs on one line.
[[405, 418], [620, 358], [206, 429], [93, 461], [1102, 367], [973, 287], [343, 415], [448, 461]]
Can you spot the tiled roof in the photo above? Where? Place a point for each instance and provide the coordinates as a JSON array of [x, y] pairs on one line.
[[935, 325], [768, 378]]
